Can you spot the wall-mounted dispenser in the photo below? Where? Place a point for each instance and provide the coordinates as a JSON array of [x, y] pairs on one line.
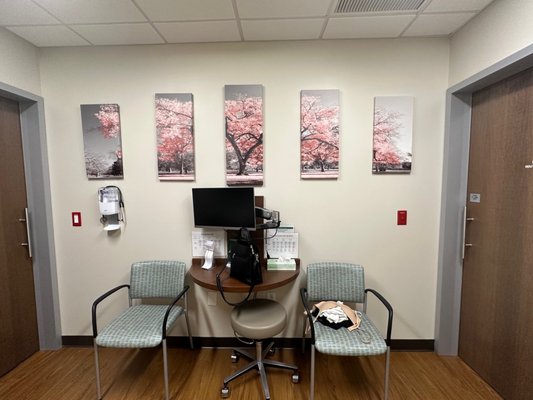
[[111, 207]]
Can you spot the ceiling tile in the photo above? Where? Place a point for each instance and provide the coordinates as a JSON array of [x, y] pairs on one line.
[[456, 5], [186, 10], [117, 34], [282, 29], [190, 32], [93, 11], [437, 24], [24, 12], [366, 27], [49, 35], [282, 8]]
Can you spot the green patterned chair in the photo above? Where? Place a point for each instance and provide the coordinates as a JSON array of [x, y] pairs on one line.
[[145, 325], [344, 282]]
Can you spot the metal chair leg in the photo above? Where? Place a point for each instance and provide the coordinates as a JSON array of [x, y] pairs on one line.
[[187, 321], [387, 366], [96, 363], [165, 367], [306, 322], [312, 384], [189, 329]]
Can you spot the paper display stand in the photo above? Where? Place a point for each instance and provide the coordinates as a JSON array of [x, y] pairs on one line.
[[208, 244]]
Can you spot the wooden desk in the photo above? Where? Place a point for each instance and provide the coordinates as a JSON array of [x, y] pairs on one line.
[[207, 277]]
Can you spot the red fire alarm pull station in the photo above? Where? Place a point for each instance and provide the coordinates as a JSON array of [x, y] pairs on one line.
[[402, 217], [76, 218]]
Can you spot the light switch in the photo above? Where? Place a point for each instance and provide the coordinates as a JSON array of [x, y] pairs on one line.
[[76, 218]]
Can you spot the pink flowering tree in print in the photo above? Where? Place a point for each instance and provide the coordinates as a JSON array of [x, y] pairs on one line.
[[244, 133], [386, 125], [319, 134], [174, 126], [109, 119]]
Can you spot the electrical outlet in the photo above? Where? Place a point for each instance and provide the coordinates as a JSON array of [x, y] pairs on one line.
[[266, 295], [211, 298], [271, 295]]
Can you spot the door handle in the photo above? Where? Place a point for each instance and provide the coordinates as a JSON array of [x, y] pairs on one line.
[[27, 221], [465, 245]]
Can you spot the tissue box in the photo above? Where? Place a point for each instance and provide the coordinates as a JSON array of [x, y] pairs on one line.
[[273, 264]]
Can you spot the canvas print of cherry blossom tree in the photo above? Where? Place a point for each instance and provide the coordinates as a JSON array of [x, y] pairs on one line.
[[393, 132], [243, 115], [319, 134], [102, 140], [174, 122]]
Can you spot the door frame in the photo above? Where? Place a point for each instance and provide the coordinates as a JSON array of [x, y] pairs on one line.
[[453, 194], [36, 170]]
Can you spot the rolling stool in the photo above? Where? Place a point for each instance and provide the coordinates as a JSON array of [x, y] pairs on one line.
[[258, 319]]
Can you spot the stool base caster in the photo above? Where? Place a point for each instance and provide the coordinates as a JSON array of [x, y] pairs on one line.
[[296, 377], [224, 392]]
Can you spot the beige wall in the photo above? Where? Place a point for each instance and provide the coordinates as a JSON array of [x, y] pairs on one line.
[[19, 63], [351, 219], [503, 28]]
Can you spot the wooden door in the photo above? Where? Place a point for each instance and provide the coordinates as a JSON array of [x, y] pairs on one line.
[[18, 323], [496, 330]]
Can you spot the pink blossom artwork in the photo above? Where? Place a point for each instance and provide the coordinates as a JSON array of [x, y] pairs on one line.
[[319, 134], [243, 116], [392, 136], [174, 121], [102, 140]]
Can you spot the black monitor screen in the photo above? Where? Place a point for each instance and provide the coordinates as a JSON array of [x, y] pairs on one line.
[[227, 208]]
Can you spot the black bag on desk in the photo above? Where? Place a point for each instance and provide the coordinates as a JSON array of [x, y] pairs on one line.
[[244, 261], [244, 265]]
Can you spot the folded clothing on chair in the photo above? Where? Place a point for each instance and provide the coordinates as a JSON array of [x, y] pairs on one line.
[[336, 315]]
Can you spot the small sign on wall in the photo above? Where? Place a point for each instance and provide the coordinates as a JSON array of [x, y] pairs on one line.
[[475, 198]]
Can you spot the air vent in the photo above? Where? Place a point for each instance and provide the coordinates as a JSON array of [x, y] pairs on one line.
[[367, 6]]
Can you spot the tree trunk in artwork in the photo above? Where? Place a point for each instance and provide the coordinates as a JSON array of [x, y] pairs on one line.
[[175, 136], [243, 112], [319, 133]]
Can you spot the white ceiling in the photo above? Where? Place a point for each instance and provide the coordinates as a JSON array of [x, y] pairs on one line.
[[47, 23]]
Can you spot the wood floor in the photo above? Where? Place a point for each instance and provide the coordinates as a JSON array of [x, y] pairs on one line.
[[68, 374]]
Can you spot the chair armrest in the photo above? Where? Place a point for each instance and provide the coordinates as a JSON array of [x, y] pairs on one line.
[[303, 295], [389, 308], [171, 305], [98, 300]]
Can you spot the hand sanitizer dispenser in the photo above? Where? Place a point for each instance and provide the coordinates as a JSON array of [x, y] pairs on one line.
[[111, 207]]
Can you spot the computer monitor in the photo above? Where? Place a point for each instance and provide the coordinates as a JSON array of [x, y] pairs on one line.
[[224, 208]]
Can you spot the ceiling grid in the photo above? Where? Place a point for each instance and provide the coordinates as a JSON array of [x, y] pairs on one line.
[[56, 23]]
